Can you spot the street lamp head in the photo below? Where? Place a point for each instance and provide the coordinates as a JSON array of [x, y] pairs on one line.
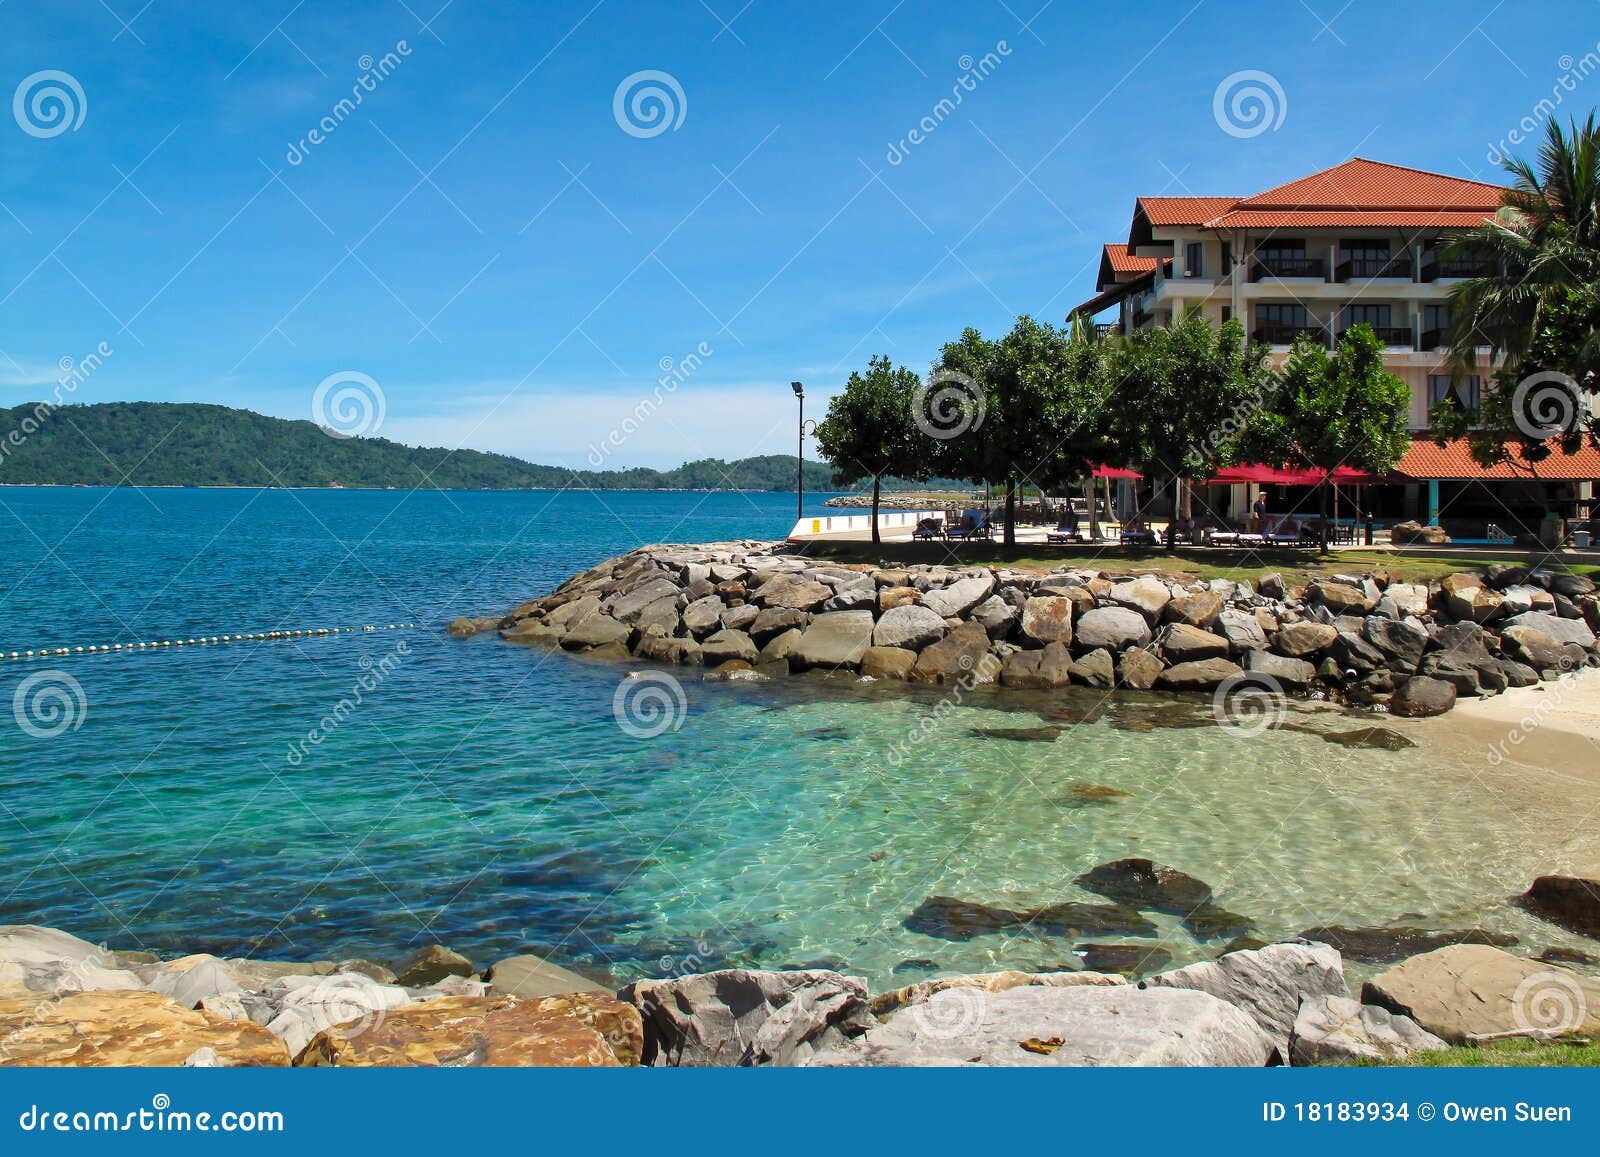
[[798, 388]]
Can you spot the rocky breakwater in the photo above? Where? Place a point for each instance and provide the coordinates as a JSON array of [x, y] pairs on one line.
[[751, 611]]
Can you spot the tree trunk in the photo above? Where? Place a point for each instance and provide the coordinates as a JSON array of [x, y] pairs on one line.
[[1094, 512], [1322, 532], [877, 480], [1172, 521], [1011, 511]]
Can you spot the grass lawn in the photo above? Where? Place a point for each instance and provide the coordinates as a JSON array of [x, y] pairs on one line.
[[1516, 1053], [1203, 563]]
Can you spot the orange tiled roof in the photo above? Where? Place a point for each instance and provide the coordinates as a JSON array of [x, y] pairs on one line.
[[1121, 261], [1184, 210], [1362, 184], [1328, 219], [1427, 459]]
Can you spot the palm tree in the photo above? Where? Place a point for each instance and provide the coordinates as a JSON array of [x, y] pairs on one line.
[[1544, 247]]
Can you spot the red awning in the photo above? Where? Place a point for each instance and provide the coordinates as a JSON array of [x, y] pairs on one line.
[[1115, 472], [1273, 476]]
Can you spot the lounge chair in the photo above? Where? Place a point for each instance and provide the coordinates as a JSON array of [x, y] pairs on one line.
[[928, 528], [1066, 530], [1137, 536], [974, 524]]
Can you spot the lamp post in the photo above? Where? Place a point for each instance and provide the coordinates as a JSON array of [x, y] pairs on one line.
[[800, 453]]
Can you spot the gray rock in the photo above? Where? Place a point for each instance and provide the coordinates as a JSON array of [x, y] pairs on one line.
[[774, 621], [1242, 630], [959, 597], [34, 944], [1138, 669], [1354, 653], [1199, 675], [853, 598], [626, 606], [1337, 1028], [911, 626], [1044, 669], [793, 592], [1268, 983], [1400, 640], [740, 1017], [1182, 643], [995, 615], [1296, 674], [1530, 645], [1559, 629], [1422, 696], [1146, 595], [961, 656], [778, 648], [834, 640], [192, 979], [1085, 1025], [703, 616], [598, 630], [728, 645], [430, 963], [1096, 669], [533, 976], [1113, 628], [1047, 619]]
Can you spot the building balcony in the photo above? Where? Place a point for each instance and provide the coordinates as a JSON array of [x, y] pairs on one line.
[[1286, 334], [1357, 268], [1432, 339], [1434, 267], [1262, 268], [1389, 335], [1101, 328]]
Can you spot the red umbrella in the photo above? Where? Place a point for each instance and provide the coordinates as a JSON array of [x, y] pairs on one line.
[[1115, 472]]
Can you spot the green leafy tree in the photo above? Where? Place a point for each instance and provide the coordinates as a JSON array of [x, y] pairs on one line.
[[1021, 410], [1181, 395], [1332, 410], [870, 430]]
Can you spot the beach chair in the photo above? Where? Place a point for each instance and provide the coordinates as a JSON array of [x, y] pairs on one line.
[[1067, 530], [962, 529], [928, 529]]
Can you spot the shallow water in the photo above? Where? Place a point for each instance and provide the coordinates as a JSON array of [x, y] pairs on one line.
[[484, 795]]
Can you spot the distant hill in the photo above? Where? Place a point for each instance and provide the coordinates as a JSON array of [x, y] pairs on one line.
[[193, 444]]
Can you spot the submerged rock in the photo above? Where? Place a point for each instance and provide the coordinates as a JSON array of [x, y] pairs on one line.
[[1386, 945], [1569, 901], [1017, 734], [1147, 885], [1128, 959]]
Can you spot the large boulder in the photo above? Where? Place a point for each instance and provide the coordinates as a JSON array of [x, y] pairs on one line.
[[774, 621], [574, 1030], [1466, 597], [1401, 642], [1342, 598], [1295, 674], [430, 964], [1114, 628], [1471, 990], [793, 592], [34, 944], [1304, 639], [885, 1003], [742, 1017], [1096, 669], [887, 663], [837, 639], [1138, 669], [911, 626], [1041, 670], [1336, 1029], [1146, 594], [1536, 648], [729, 645], [598, 630], [126, 1029], [1268, 983], [629, 605], [533, 976], [1199, 675], [962, 655], [1422, 696], [1242, 630], [1196, 610], [959, 597], [1557, 628], [191, 979], [1047, 619], [1037, 1025], [1569, 901], [1182, 643]]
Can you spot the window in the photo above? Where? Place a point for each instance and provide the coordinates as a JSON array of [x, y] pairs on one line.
[[1442, 388], [1294, 315], [1366, 250], [1436, 317], [1227, 314], [1377, 316], [1281, 249], [1191, 259], [1227, 257]]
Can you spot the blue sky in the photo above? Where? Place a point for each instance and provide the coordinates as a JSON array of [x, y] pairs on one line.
[[483, 238]]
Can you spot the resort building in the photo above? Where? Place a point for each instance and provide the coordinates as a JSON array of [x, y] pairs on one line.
[[1359, 242]]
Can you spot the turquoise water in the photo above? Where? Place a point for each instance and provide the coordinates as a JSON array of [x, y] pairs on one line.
[[484, 796]]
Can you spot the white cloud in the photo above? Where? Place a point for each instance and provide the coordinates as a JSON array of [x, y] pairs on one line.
[[619, 430]]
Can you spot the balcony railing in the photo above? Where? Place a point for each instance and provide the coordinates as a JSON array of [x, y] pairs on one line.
[[1435, 267], [1358, 267], [1101, 328], [1140, 317], [1264, 267], [1432, 339], [1273, 334], [1391, 335]]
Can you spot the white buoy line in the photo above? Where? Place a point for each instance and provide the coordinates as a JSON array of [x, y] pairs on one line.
[[199, 641]]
